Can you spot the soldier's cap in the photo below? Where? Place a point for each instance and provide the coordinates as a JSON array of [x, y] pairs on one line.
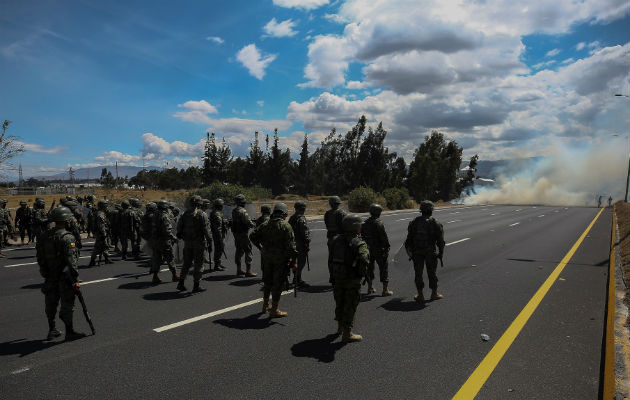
[[266, 209], [280, 208], [60, 214], [351, 223], [134, 202], [376, 210], [124, 204], [334, 200], [218, 203], [22, 202], [91, 197], [299, 205], [3, 201], [426, 206]]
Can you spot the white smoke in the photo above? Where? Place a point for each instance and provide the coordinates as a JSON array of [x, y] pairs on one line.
[[571, 177]]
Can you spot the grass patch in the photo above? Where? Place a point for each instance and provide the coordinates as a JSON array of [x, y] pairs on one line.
[[622, 213]]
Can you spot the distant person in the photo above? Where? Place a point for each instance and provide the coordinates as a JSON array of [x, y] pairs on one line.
[[599, 202], [373, 232], [333, 220], [241, 224], [23, 217], [194, 228], [610, 201], [302, 238]]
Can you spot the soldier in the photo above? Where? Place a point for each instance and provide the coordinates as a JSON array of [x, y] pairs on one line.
[[72, 225], [135, 238], [194, 228], [101, 234], [39, 221], [373, 233], [162, 238], [219, 229], [7, 225], [113, 216], [91, 214], [205, 207], [265, 215], [127, 223], [424, 233], [348, 258], [57, 258], [276, 242], [146, 227], [241, 224], [333, 219], [302, 238], [23, 221]]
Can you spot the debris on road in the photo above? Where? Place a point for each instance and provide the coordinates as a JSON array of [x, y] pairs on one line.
[[485, 337]]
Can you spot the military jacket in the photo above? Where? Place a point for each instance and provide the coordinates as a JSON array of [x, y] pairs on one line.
[[217, 224], [275, 238], [349, 257], [424, 233], [333, 219], [301, 231], [73, 228], [241, 223], [101, 225], [23, 216], [146, 228], [193, 226], [373, 232], [262, 219], [162, 230], [128, 223], [57, 255], [5, 219], [39, 222]]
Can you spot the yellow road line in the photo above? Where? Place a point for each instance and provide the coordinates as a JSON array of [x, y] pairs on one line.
[[481, 374], [609, 351]]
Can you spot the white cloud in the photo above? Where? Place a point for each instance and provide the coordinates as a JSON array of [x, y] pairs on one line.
[[280, 29], [38, 148], [580, 46], [336, 18], [152, 144], [544, 64], [302, 4], [201, 106], [215, 39], [552, 53], [252, 59], [260, 103]]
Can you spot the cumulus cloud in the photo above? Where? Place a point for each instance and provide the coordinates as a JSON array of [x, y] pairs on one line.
[[254, 61], [152, 144], [301, 4], [38, 148], [280, 29]]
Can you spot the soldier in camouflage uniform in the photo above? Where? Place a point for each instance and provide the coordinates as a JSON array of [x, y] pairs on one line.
[[39, 221], [219, 229], [424, 234], [302, 238], [135, 238], [349, 257], [241, 224], [113, 216], [101, 234], [57, 258], [162, 238], [23, 221], [333, 219], [276, 242], [72, 225], [205, 207], [194, 228], [265, 215], [7, 222], [127, 223], [146, 227], [91, 215], [373, 233]]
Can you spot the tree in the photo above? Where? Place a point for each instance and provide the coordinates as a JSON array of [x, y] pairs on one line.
[[224, 158], [303, 177], [210, 170], [255, 163], [10, 147]]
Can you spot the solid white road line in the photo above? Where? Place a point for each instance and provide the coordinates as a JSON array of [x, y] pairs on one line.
[[457, 241], [212, 314], [120, 277], [31, 263]]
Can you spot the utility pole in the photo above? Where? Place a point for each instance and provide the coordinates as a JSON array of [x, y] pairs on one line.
[[21, 179]]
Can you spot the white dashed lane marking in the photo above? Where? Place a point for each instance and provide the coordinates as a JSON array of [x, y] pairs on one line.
[[457, 241], [514, 224], [31, 263]]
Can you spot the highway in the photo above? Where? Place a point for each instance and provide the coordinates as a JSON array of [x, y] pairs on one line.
[[152, 342]]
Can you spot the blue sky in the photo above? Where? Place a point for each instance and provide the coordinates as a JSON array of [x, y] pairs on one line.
[[90, 83]]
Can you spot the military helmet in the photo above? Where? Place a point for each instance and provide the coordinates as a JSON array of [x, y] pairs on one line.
[[69, 198], [118, 207], [102, 203], [206, 202], [239, 199], [426, 207], [280, 208], [60, 214], [71, 204], [63, 201], [299, 205], [134, 202], [22, 202], [151, 206], [376, 210], [91, 197], [125, 204], [266, 209], [40, 202], [335, 200], [218, 203], [162, 204], [3, 201], [195, 200], [351, 223]]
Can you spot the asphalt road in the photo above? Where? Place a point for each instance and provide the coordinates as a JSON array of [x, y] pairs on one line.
[[496, 259]]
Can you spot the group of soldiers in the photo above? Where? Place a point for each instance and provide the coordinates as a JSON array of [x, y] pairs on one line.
[[354, 248]]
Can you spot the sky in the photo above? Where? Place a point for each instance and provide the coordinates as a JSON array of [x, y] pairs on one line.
[[89, 83]]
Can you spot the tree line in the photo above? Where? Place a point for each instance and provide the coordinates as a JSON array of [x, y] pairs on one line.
[[340, 164]]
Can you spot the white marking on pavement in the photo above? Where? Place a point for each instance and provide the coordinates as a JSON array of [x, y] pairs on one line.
[[455, 220], [540, 216], [212, 314], [514, 224], [517, 210], [403, 219], [312, 230], [31, 263], [120, 277], [458, 241], [19, 371], [492, 214]]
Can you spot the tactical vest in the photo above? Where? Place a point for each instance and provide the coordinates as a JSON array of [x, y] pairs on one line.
[[369, 233], [424, 235], [192, 226], [238, 215], [343, 262], [49, 253], [147, 225], [331, 219]]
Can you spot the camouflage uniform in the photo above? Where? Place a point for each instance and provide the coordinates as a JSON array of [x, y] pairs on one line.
[[113, 216], [5, 222], [39, 220], [162, 237], [193, 227], [373, 233], [91, 215], [127, 225], [101, 234], [241, 224], [348, 258], [424, 233], [219, 228], [72, 224], [333, 219], [135, 238], [23, 221], [302, 238], [57, 258], [265, 215], [275, 239]]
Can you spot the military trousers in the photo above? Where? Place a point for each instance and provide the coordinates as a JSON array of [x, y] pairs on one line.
[[218, 250], [162, 254], [383, 267], [347, 294], [54, 292], [124, 243], [243, 248], [100, 245], [274, 277], [193, 256], [301, 263], [25, 230], [428, 257]]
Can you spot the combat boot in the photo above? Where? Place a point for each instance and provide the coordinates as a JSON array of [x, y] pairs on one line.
[[386, 291], [197, 288], [250, 274], [175, 277], [419, 297], [266, 306], [124, 256], [435, 295], [371, 289], [180, 286], [156, 279], [92, 261], [239, 271], [52, 331], [107, 260], [275, 313], [71, 334], [349, 337]]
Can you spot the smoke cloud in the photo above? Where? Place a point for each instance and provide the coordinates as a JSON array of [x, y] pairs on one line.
[[571, 177]]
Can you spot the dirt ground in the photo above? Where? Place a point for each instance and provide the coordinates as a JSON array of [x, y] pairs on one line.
[[622, 213]]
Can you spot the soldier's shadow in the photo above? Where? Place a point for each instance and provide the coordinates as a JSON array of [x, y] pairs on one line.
[[217, 278], [245, 282], [316, 289], [166, 295], [23, 347], [323, 350], [250, 322], [397, 304]]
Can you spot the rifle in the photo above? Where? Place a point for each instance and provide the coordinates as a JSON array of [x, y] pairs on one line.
[[52, 206], [308, 263], [79, 294]]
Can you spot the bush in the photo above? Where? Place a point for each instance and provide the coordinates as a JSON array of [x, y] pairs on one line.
[[397, 198], [360, 199], [228, 191]]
